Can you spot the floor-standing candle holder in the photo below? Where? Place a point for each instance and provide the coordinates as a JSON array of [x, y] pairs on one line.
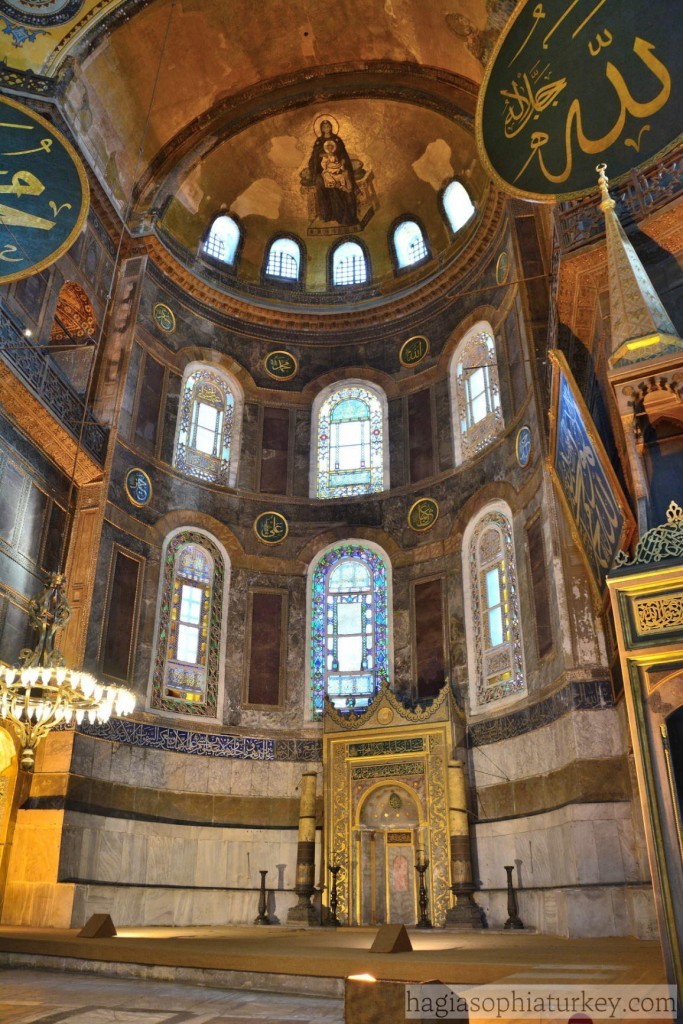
[[513, 920], [262, 902], [334, 870], [423, 899]]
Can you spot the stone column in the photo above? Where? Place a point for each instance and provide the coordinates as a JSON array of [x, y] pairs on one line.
[[465, 912], [305, 854]]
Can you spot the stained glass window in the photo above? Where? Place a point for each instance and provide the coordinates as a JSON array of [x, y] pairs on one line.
[[284, 259], [223, 240], [349, 627], [186, 666], [457, 205], [205, 427], [350, 443], [349, 265], [409, 244], [498, 667], [475, 393]]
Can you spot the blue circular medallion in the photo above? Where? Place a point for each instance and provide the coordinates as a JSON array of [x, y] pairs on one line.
[[523, 446], [41, 12], [138, 487]]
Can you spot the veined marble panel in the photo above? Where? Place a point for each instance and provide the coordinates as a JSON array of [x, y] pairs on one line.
[[580, 844], [150, 853], [580, 735], [578, 912]]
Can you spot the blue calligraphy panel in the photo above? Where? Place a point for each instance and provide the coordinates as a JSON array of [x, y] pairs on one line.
[[43, 192], [586, 486], [574, 83]]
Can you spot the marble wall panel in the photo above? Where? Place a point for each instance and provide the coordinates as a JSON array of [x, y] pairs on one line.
[[578, 735], [578, 912], [150, 853], [580, 844]]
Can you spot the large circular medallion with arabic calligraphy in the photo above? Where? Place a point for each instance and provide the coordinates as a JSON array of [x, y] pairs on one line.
[[43, 192], [41, 12], [575, 83]]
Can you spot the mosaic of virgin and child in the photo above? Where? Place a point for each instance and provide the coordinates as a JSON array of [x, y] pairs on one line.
[[334, 176]]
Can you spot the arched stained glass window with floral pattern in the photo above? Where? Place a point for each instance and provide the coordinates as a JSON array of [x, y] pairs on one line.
[[186, 667], [497, 670], [205, 427], [350, 443], [475, 393], [349, 627]]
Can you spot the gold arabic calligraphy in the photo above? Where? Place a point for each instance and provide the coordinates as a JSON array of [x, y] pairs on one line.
[[538, 87], [24, 183]]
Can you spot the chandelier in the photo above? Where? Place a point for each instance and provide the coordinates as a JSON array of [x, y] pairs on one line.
[[42, 693]]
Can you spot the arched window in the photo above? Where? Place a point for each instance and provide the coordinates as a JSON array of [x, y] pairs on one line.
[[349, 626], [223, 240], [497, 668], [349, 428], [457, 205], [410, 245], [475, 392], [284, 259], [349, 265], [206, 443], [187, 669]]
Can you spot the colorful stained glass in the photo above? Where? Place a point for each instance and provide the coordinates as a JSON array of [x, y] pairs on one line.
[[495, 611], [349, 628], [186, 666], [350, 443], [206, 418]]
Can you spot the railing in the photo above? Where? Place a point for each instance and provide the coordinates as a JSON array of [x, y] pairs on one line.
[[582, 220], [35, 368]]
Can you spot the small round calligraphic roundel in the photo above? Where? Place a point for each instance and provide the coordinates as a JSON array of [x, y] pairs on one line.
[[164, 318], [271, 527], [414, 350], [280, 365], [423, 514], [138, 487], [523, 446]]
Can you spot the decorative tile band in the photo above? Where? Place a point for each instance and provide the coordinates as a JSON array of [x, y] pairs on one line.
[[184, 741], [587, 695]]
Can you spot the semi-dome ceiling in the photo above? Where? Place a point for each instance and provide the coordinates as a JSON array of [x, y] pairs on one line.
[[402, 157], [191, 106], [159, 69]]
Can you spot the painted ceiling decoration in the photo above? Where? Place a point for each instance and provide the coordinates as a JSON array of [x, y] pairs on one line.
[[330, 121], [74, 316]]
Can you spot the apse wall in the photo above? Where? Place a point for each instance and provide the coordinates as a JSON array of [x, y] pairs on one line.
[[168, 817]]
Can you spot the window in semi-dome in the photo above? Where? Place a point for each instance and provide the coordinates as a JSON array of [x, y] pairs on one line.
[[205, 427], [349, 264], [284, 259], [410, 245], [457, 205], [497, 670], [186, 668], [475, 393], [350, 443], [222, 240], [349, 627]]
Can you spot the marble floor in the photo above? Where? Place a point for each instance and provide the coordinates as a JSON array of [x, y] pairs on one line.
[[46, 997]]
